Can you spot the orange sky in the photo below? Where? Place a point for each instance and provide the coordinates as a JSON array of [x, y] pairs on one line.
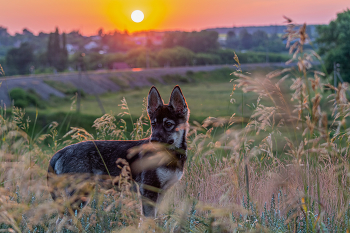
[[90, 15]]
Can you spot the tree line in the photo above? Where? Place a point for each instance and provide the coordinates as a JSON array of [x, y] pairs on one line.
[[258, 41], [23, 60], [177, 49]]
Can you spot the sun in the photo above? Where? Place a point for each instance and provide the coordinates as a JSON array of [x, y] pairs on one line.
[[137, 16]]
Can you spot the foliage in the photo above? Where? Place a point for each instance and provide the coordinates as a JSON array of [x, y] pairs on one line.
[[138, 58], [231, 40], [216, 161], [246, 39], [284, 168], [177, 56], [179, 49], [8, 41], [117, 41], [333, 42], [180, 56], [24, 99], [57, 54], [95, 61], [258, 41], [202, 41], [207, 59], [19, 60], [250, 57]]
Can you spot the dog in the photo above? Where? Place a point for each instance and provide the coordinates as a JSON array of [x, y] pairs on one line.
[[169, 127]]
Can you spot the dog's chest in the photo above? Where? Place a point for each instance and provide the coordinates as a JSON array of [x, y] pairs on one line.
[[167, 177]]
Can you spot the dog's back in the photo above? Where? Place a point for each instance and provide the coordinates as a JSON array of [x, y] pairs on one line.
[[93, 157]]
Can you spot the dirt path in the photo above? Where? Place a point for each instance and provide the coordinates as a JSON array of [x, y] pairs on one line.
[[98, 82]]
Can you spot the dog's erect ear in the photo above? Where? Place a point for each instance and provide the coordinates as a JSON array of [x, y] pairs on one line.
[[154, 100], [178, 102]]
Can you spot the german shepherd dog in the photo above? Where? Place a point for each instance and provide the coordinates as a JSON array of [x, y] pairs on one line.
[[169, 125]]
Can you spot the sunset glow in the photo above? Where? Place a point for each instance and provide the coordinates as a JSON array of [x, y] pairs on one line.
[[90, 15]]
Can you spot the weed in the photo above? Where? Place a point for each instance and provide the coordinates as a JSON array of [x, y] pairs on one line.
[[284, 168]]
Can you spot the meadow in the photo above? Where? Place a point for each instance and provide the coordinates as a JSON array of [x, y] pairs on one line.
[[267, 153]]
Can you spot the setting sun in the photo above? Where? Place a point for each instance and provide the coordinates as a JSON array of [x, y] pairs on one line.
[[137, 16]]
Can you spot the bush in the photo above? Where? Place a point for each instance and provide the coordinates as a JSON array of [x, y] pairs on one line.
[[24, 99], [226, 56], [177, 56], [21, 103], [260, 57], [138, 58], [207, 59], [18, 93], [189, 73]]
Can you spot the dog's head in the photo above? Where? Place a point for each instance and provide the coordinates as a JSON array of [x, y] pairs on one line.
[[169, 121]]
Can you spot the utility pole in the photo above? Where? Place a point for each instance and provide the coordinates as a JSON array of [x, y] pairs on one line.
[[99, 102], [335, 74], [338, 76], [80, 67]]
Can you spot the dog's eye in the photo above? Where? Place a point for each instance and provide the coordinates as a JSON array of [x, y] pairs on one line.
[[153, 123], [168, 124]]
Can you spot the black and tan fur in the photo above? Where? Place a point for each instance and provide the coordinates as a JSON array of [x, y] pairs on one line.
[[169, 127]]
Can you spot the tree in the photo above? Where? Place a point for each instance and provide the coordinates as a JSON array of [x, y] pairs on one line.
[[50, 50], [231, 40], [246, 39], [57, 54], [260, 38], [275, 44], [26, 32], [177, 56], [100, 32], [63, 54], [20, 59], [202, 41], [207, 59], [333, 42]]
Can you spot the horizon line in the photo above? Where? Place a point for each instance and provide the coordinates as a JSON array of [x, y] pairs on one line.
[[155, 30]]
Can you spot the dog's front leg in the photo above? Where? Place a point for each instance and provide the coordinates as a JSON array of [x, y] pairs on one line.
[[149, 202]]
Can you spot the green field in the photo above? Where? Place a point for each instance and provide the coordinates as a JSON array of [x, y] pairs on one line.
[[207, 94], [202, 98]]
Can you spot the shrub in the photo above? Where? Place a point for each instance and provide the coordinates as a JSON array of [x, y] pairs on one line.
[[177, 56], [189, 73], [207, 59], [21, 103], [18, 93], [24, 99]]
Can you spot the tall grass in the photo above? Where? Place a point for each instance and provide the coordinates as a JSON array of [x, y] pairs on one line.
[[285, 169]]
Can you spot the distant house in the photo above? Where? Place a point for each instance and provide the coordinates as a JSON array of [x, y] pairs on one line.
[[120, 66], [91, 45], [157, 39], [95, 38], [139, 40], [72, 48]]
